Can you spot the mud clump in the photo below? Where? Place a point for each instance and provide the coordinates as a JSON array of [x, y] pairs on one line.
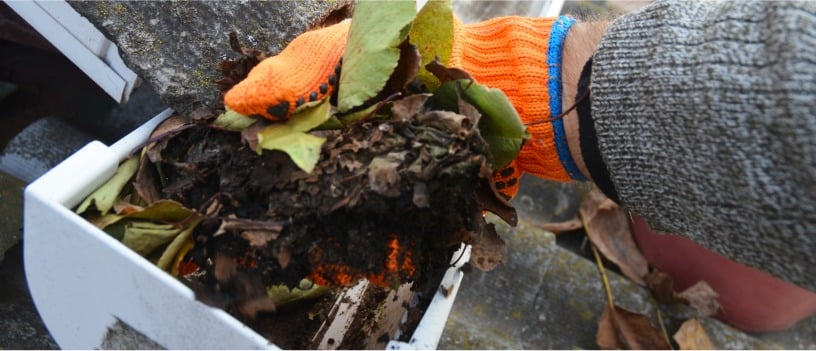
[[389, 201]]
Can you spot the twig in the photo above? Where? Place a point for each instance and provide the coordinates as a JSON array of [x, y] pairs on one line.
[[566, 226], [660, 322], [601, 269], [604, 279]]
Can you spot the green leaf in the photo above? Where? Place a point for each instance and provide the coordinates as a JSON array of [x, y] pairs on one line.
[[332, 123], [432, 33], [372, 51], [104, 197], [291, 137], [145, 237], [357, 115], [306, 290], [234, 121], [500, 124]]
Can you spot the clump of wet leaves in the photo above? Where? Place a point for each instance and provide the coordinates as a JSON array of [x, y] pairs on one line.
[[389, 199], [243, 209]]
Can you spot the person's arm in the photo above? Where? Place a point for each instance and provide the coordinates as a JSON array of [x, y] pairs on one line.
[[705, 117], [581, 42]]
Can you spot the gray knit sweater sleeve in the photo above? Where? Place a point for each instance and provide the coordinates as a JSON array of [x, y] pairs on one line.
[[705, 114]]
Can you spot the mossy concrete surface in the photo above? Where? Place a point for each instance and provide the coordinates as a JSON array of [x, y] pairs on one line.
[[548, 297], [176, 45]]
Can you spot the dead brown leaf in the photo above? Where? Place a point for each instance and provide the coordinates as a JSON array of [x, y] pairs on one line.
[[619, 328], [233, 71], [259, 238], [124, 208], [250, 134], [491, 200], [225, 267], [488, 249], [145, 183], [445, 74], [702, 298], [661, 287], [251, 307], [201, 113], [408, 107], [699, 296], [383, 176], [692, 336], [162, 134], [607, 226], [405, 72], [560, 227], [284, 256]]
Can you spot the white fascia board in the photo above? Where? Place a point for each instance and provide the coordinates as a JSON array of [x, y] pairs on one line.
[[76, 38]]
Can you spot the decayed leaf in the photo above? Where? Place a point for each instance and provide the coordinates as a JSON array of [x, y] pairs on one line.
[[259, 238], [444, 74], [500, 124], [234, 121], [124, 208], [491, 200], [383, 177], [163, 132], [163, 222], [247, 295], [372, 51], [409, 106], [163, 211], [251, 133], [234, 71], [104, 197], [304, 291], [171, 253], [662, 287], [251, 307], [699, 296], [186, 246], [145, 237], [607, 226], [702, 298], [619, 328], [565, 226], [488, 249], [102, 221], [291, 137], [145, 184], [692, 336], [432, 33]]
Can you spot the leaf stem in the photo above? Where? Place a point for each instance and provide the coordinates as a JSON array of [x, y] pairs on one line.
[[660, 322], [601, 269]]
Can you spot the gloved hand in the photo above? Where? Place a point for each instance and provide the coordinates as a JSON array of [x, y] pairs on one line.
[[519, 55]]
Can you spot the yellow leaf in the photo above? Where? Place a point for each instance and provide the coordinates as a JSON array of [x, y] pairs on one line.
[[432, 33], [104, 197]]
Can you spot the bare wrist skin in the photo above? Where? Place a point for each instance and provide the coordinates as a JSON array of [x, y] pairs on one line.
[[579, 46]]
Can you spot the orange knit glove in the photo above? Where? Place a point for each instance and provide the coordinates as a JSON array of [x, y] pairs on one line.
[[519, 55], [306, 70]]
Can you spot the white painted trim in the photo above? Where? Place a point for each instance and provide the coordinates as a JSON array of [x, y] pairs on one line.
[[83, 44]]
